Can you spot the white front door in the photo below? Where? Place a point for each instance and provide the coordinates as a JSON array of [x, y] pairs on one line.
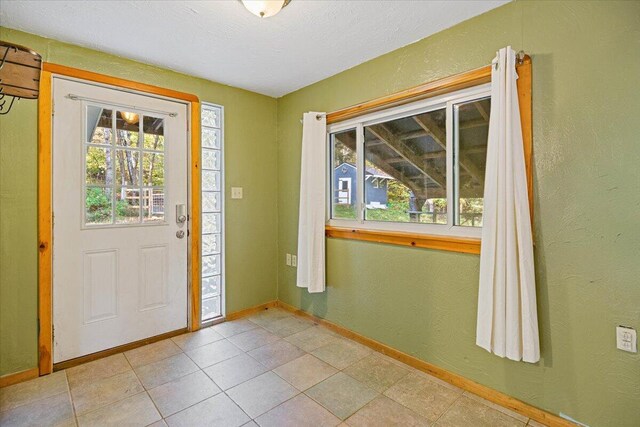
[[119, 189]]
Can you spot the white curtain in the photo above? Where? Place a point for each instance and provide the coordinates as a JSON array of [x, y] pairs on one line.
[[507, 315], [311, 257]]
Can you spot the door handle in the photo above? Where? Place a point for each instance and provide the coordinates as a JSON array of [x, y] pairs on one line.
[[179, 234], [181, 214]]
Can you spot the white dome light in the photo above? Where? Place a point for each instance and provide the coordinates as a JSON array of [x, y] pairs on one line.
[[264, 8]]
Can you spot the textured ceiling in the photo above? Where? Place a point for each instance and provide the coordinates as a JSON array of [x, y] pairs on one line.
[[221, 41]]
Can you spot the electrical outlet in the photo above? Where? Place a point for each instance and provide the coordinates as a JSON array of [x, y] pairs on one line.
[[288, 259], [626, 339], [294, 261], [236, 192]]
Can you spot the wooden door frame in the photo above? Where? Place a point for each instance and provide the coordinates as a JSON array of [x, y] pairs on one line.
[[45, 178]]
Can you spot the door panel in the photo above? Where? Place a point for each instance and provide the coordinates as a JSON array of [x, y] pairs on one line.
[[120, 167]]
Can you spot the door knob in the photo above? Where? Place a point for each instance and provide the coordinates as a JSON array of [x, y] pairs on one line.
[[180, 234]]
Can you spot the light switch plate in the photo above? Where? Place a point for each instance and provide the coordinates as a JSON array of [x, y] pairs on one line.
[[626, 339], [236, 192], [294, 261], [288, 259]]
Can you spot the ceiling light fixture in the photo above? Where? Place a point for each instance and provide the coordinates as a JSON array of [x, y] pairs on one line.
[[131, 118], [265, 8]]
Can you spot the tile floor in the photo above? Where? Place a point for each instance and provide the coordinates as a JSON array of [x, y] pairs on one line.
[[271, 369]]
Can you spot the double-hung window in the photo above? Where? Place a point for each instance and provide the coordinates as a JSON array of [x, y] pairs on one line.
[[416, 168]]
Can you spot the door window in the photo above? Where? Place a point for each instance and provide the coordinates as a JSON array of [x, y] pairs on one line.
[[124, 168]]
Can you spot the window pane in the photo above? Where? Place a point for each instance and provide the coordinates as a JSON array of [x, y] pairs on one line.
[[99, 125], [153, 169], [127, 129], [98, 166], [153, 128], [344, 176], [406, 169], [472, 130], [127, 205], [153, 205], [128, 167], [98, 206]]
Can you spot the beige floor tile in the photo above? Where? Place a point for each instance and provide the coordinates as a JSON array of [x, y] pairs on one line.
[[341, 353], [165, 370], [137, 410], [54, 411], [312, 338], [376, 372], [534, 423], [427, 398], [152, 353], [288, 326], [468, 412], [305, 371], [160, 423], [502, 409], [32, 390], [101, 393], [261, 394], [234, 327], [213, 353], [97, 370], [298, 412], [250, 424], [196, 339], [269, 316], [253, 339], [342, 395], [383, 412], [217, 411], [437, 380], [276, 354], [234, 371], [179, 394]]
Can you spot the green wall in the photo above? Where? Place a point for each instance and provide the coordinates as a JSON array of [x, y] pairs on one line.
[[250, 160], [586, 75]]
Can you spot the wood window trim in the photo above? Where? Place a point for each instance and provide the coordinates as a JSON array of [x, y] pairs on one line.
[[427, 90], [45, 225]]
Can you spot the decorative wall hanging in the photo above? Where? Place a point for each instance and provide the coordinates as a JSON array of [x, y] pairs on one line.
[[19, 74]]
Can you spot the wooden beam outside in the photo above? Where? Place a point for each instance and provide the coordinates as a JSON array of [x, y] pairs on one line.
[[386, 136]]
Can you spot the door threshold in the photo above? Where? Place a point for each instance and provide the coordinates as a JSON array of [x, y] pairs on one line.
[[115, 350]]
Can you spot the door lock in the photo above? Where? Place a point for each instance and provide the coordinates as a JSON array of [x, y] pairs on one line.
[[180, 234], [181, 214]]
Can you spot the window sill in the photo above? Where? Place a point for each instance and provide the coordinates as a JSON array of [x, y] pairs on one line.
[[444, 243]]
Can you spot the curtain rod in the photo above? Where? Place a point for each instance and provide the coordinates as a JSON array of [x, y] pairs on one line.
[[318, 116], [521, 56], [132, 107]]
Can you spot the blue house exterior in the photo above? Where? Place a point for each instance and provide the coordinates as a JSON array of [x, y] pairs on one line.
[[346, 191]]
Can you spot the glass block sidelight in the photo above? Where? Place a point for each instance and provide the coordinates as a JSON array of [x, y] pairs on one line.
[[211, 117], [211, 308], [211, 138], [210, 265], [210, 201], [211, 160], [211, 286], [210, 244]]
